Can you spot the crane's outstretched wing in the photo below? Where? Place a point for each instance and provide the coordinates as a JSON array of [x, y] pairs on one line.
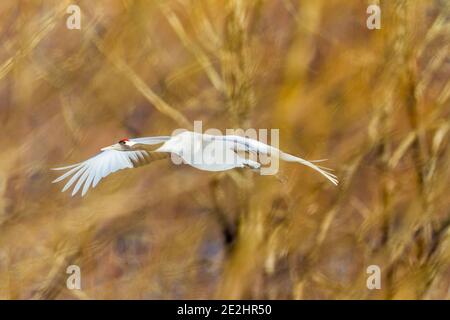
[[251, 145], [151, 140], [91, 171]]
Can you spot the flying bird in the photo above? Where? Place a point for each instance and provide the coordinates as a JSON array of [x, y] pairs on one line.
[[202, 151]]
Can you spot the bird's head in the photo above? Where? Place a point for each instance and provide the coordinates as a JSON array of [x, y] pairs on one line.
[[122, 145]]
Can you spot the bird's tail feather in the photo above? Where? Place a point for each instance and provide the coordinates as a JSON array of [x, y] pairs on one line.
[[322, 170]]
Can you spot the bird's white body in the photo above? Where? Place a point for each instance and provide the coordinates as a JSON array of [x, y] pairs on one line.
[[206, 152], [201, 151]]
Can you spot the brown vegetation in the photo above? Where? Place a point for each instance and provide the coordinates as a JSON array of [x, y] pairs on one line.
[[376, 103]]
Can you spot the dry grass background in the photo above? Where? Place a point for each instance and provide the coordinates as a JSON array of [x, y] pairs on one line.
[[374, 102]]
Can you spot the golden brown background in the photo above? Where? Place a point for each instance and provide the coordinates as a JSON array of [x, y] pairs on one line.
[[376, 103]]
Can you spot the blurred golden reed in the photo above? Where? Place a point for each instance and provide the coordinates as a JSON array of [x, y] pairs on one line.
[[375, 102]]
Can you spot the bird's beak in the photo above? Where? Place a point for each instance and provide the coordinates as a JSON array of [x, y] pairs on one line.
[[111, 147]]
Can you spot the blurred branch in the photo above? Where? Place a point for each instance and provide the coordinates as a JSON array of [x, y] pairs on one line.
[[197, 51], [47, 24], [141, 86]]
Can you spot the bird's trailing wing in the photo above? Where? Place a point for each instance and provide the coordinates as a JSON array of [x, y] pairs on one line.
[[88, 173], [245, 144], [151, 140]]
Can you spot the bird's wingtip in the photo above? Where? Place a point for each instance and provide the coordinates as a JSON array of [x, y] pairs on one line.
[[64, 168]]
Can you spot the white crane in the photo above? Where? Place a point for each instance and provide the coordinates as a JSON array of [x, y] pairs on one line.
[[202, 151]]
